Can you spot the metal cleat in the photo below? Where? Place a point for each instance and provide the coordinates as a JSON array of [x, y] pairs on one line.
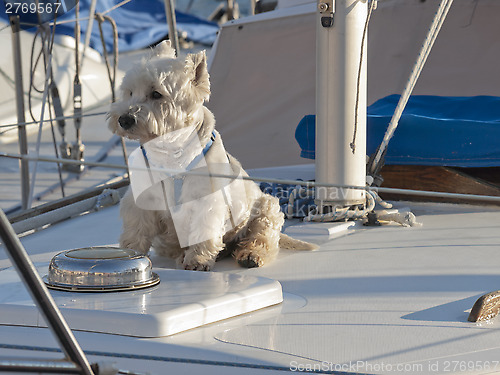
[[72, 152]]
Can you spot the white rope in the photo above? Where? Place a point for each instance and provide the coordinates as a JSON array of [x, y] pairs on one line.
[[301, 192], [404, 218], [344, 213], [432, 34]]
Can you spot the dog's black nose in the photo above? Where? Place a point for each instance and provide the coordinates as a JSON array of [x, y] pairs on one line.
[[126, 121]]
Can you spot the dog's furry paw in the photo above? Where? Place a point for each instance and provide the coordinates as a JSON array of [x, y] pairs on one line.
[[248, 263], [194, 263], [197, 267], [249, 260]]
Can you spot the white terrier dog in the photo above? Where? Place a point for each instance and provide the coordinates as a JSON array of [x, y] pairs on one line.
[[178, 203]]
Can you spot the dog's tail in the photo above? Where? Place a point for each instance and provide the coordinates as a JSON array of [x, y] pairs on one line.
[[287, 242]]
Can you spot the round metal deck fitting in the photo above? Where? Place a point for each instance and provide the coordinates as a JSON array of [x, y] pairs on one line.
[[100, 269]]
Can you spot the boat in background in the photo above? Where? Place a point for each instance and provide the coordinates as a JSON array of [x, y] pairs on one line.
[[95, 85], [140, 25]]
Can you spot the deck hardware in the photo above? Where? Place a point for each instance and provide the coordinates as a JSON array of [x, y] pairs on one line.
[[372, 220], [100, 269], [75, 151], [326, 9], [486, 307]]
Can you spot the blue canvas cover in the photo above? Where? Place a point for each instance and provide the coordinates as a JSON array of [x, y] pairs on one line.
[[433, 130], [139, 24]]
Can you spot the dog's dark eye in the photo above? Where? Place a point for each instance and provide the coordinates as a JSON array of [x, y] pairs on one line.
[[156, 95]]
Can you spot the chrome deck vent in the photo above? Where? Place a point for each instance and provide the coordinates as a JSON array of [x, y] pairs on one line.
[[100, 269]]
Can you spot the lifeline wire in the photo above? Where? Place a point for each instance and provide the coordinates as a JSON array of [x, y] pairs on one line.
[[42, 32], [55, 119], [476, 197]]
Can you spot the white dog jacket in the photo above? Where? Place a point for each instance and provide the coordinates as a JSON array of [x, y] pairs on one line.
[[160, 180]]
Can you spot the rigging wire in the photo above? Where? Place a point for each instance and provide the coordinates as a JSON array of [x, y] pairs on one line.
[[101, 18], [47, 58], [56, 150], [373, 6], [376, 160], [116, 6], [41, 32], [69, 117], [78, 147]]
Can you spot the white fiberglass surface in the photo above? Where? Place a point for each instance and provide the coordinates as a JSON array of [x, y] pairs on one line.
[[377, 296], [391, 295]]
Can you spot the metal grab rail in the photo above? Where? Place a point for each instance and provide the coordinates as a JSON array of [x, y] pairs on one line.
[[41, 296], [38, 366]]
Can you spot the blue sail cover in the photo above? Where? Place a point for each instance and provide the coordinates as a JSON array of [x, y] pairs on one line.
[[433, 130], [139, 23]]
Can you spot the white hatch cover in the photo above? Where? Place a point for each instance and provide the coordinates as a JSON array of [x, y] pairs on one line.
[[182, 300]]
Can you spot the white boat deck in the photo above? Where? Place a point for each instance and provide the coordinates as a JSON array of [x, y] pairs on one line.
[[376, 300]]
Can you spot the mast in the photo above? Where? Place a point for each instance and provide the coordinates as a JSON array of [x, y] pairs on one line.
[[340, 102]]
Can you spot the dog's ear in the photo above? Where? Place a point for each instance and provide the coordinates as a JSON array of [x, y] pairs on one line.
[[163, 49], [196, 69]]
